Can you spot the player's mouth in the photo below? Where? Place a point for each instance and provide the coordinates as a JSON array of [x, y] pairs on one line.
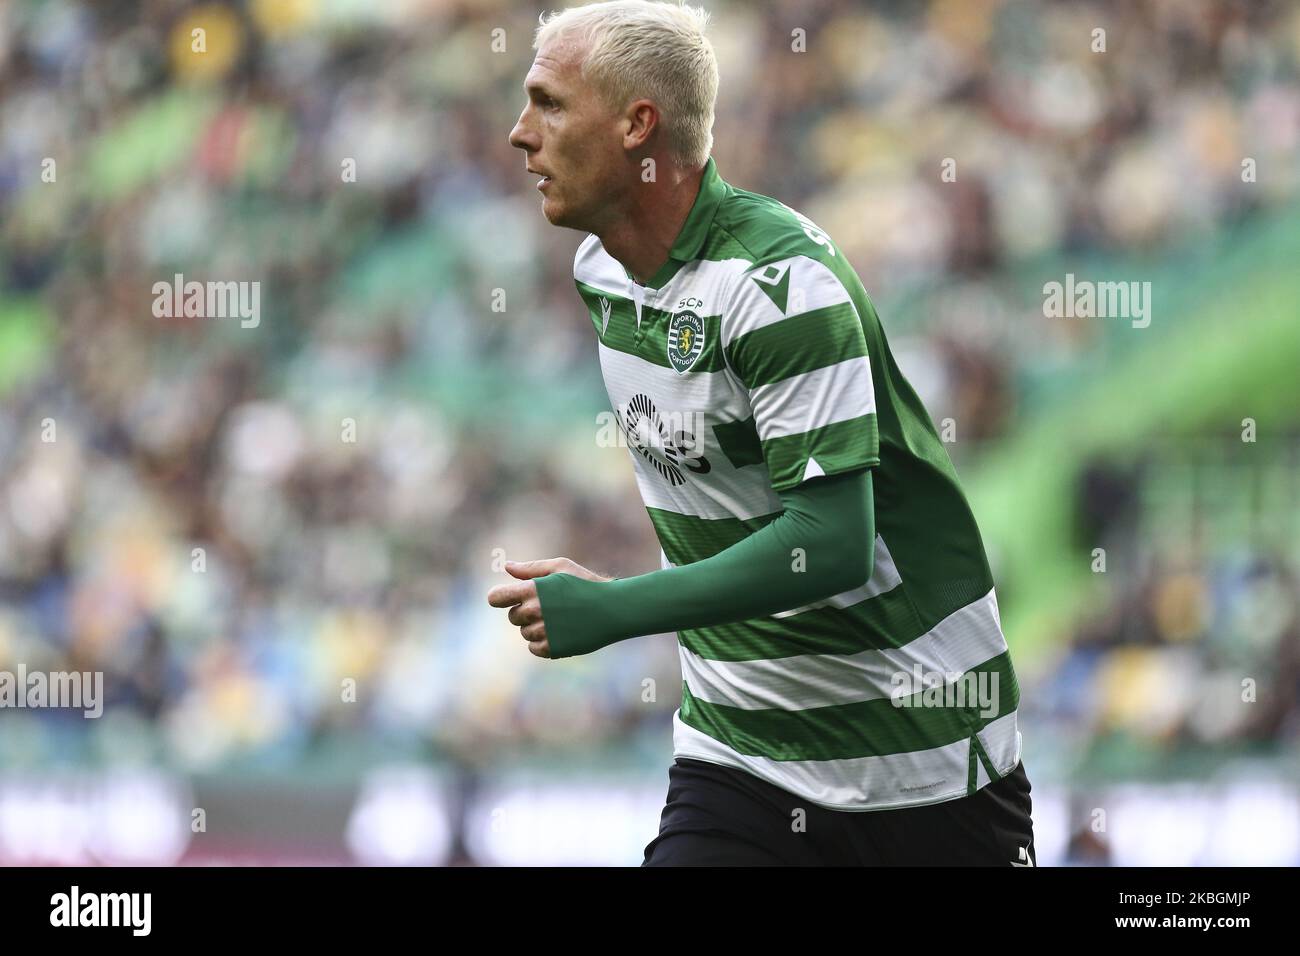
[[544, 181]]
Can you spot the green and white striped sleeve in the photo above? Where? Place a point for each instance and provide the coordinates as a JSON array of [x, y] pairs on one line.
[[793, 336]]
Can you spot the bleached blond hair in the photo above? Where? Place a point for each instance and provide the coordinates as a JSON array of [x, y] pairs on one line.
[[637, 48]]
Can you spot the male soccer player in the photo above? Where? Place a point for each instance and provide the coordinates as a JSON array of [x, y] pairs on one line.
[[847, 697]]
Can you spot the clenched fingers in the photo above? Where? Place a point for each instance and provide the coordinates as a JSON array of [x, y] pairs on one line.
[[527, 613]]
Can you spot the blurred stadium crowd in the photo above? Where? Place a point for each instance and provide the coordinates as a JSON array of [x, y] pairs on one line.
[[208, 529]]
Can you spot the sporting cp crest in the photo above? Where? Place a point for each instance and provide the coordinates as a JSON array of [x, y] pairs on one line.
[[685, 340]]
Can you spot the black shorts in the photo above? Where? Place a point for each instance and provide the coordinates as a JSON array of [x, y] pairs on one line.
[[718, 816]]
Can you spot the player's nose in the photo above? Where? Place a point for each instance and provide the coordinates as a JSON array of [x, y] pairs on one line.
[[521, 137]]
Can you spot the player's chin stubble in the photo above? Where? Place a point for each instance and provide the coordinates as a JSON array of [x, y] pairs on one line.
[[553, 212], [558, 213]]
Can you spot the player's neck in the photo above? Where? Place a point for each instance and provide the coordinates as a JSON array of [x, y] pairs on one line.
[[641, 238]]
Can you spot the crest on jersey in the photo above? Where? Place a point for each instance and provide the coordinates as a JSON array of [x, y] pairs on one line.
[[685, 340]]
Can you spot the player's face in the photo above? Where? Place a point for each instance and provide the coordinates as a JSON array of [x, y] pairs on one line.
[[572, 138]]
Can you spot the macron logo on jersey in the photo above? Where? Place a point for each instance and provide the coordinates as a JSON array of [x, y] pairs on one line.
[[775, 283], [605, 308]]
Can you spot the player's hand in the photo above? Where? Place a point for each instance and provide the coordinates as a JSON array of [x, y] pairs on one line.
[[521, 598]]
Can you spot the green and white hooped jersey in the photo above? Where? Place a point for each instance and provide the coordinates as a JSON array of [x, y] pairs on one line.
[[752, 361]]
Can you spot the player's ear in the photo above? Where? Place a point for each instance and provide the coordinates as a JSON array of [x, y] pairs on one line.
[[642, 119]]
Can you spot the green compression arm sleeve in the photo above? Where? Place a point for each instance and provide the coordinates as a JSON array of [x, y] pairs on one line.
[[830, 518]]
